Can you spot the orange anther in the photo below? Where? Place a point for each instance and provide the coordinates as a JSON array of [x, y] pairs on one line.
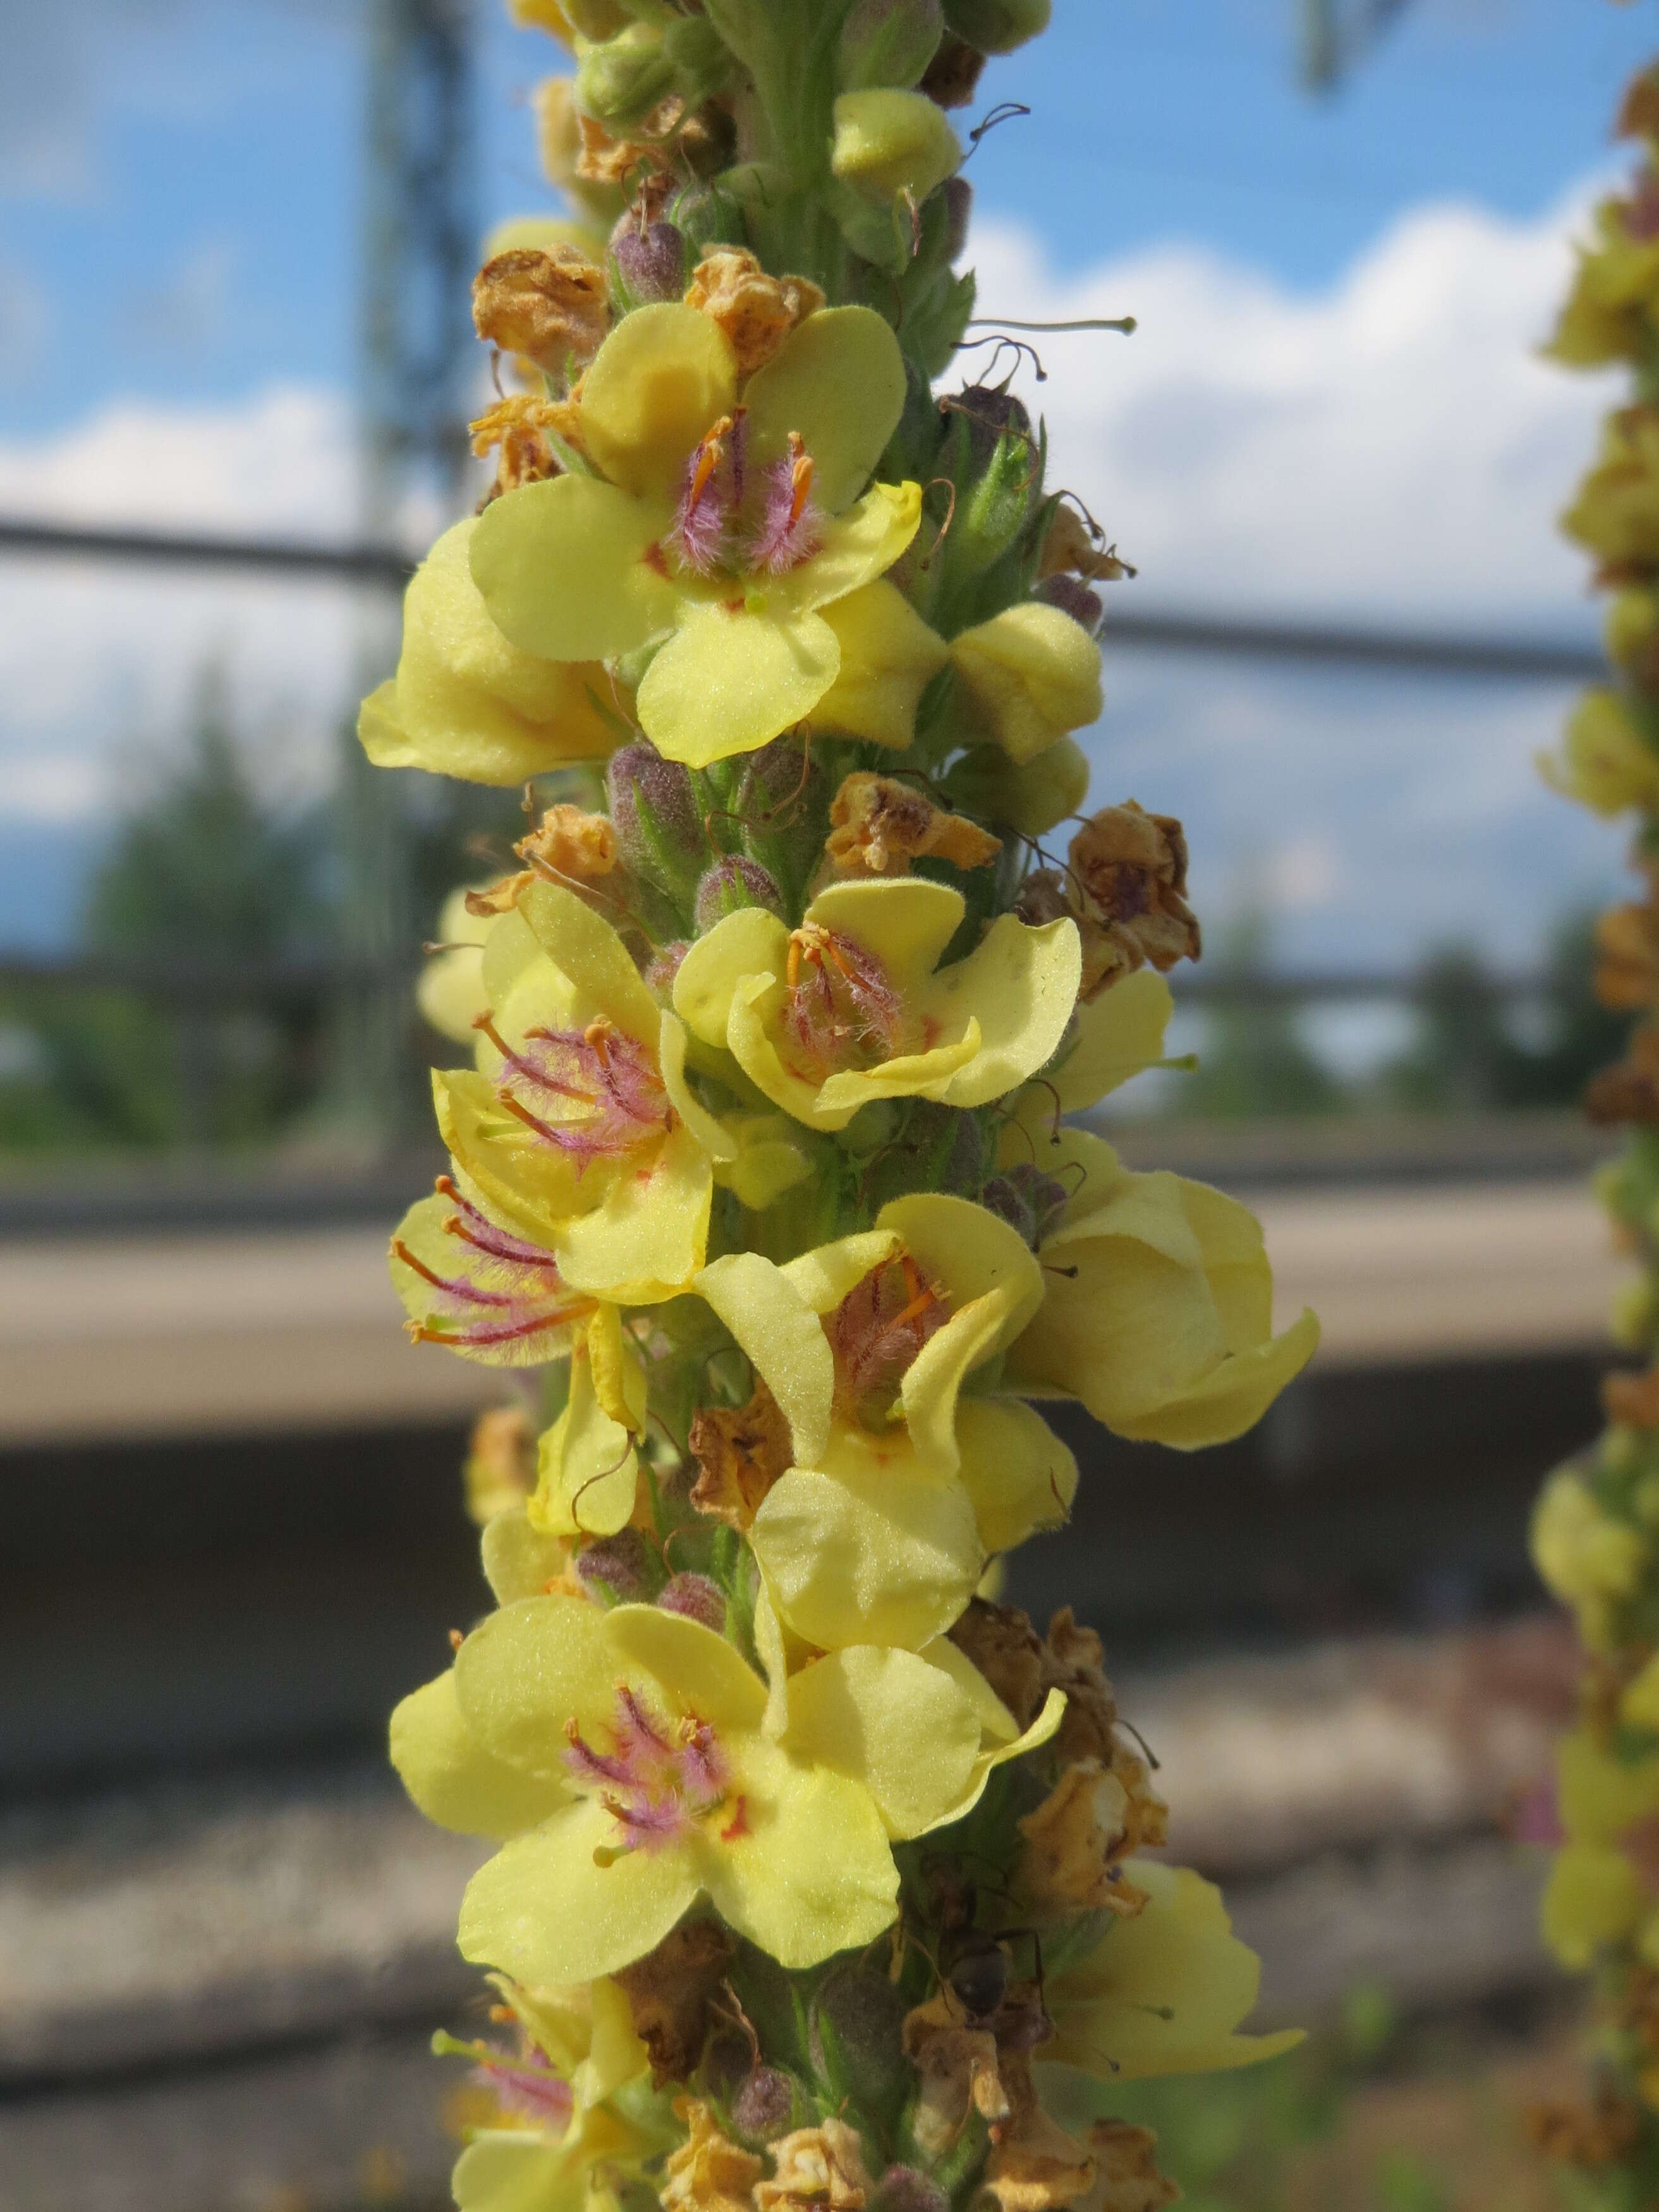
[[800, 476]]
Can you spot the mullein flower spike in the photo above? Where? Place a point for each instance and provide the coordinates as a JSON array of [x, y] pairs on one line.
[[1595, 1530], [819, 1877]]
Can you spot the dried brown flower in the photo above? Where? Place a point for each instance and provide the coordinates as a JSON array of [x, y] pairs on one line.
[[708, 2172], [755, 311], [518, 425], [740, 1452], [571, 844], [1128, 893], [668, 1994], [821, 2167], [879, 825]]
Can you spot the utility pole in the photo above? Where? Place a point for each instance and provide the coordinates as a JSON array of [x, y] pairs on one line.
[[1331, 36], [419, 249]]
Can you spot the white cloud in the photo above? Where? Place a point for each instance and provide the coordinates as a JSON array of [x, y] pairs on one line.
[[97, 660], [1388, 448]]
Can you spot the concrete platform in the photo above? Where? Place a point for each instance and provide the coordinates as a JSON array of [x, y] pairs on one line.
[[169, 1335]]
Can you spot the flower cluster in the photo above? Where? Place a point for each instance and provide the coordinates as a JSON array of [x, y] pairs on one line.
[[820, 1875], [1596, 1533]]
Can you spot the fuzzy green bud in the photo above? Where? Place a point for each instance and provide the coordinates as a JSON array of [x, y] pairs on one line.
[[619, 81], [765, 2107], [888, 42], [729, 886], [622, 1570], [778, 813], [653, 812], [997, 26], [890, 142], [706, 214], [695, 1598]]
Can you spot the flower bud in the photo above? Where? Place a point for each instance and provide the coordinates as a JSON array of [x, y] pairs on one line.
[[958, 197], [937, 1148], [653, 812], [988, 415], [906, 2189], [888, 143], [647, 263], [729, 886], [865, 2016], [1073, 597], [706, 215], [620, 80], [622, 1570], [1029, 1201], [696, 1598], [765, 2105], [997, 26], [888, 42], [779, 802]]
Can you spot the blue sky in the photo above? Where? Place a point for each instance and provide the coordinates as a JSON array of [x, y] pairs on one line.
[[179, 187], [1332, 406]]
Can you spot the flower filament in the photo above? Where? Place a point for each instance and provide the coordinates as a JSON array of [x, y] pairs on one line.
[[876, 1333], [516, 1293], [613, 1078], [841, 1006], [657, 1780], [715, 532]]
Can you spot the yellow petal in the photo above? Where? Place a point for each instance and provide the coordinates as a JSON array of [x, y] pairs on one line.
[[529, 1181], [889, 657], [519, 1561], [1599, 1794], [650, 1235], [1027, 677], [908, 1075], [1593, 1898], [542, 1910], [663, 376], [891, 1720], [1028, 797], [906, 923], [561, 568], [771, 1160], [465, 701], [1019, 1474], [709, 1131], [994, 1717], [504, 2170], [587, 1468], [1042, 1729], [972, 1252], [838, 379], [867, 1556], [1234, 1397], [778, 1329], [698, 1671], [824, 1275], [453, 1780], [524, 1672], [751, 941], [1161, 1993], [814, 1875], [1118, 1035], [728, 680], [1021, 985], [588, 951], [618, 1372], [857, 547]]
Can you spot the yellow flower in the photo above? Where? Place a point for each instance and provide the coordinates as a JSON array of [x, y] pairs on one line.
[[1583, 1555], [626, 1754], [579, 1129], [1158, 1308], [1162, 1992], [898, 1486], [719, 527], [1606, 762], [853, 1006], [450, 993], [559, 2135], [471, 1281], [465, 703], [1117, 1036], [1026, 677], [1591, 1900], [1616, 514], [1615, 287]]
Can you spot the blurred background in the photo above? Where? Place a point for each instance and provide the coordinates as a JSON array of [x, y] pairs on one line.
[[235, 359]]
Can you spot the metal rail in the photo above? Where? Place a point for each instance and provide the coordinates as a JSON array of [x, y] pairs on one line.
[[230, 981], [1431, 652]]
